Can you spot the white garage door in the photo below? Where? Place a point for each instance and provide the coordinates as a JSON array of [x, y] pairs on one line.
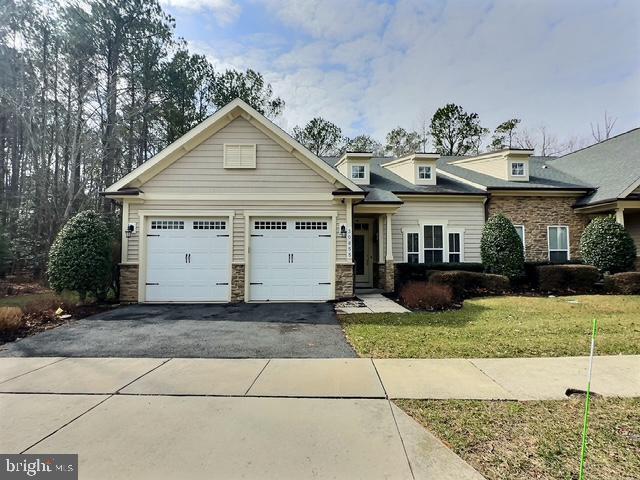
[[187, 260], [290, 259]]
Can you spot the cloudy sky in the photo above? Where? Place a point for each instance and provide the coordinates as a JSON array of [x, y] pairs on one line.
[[372, 65]]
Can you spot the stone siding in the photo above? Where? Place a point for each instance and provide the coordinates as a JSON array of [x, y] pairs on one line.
[[536, 214], [344, 280], [128, 283], [237, 282], [379, 275], [389, 276]]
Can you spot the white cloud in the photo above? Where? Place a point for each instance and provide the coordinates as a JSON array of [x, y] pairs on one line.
[[225, 11], [369, 66]]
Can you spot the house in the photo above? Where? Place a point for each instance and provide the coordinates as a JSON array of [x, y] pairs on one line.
[[237, 210]]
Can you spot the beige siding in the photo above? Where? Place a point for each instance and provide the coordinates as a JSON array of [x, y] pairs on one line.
[[495, 167], [456, 214], [239, 208], [201, 170]]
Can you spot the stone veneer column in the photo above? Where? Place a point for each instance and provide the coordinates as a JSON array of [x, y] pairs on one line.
[[128, 283], [344, 280], [380, 275], [389, 276], [237, 282]]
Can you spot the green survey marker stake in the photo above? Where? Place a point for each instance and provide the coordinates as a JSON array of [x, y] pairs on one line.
[[587, 403]]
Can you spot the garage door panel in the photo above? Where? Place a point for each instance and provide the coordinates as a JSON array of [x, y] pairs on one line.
[[188, 260], [292, 261]]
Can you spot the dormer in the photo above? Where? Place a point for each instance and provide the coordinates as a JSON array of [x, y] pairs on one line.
[[417, 168], [355, 166], [508, 164]]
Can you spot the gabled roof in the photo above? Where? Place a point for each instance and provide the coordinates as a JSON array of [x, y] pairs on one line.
[[386, 186], [542, 176], [613, 166], [222, 117]]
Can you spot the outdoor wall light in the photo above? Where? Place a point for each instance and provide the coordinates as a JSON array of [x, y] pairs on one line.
[[131, 229], [343, 231]]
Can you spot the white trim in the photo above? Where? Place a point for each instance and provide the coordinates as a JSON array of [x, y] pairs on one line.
[[241, 196], [364, 171], [227, 146], [249, 214], [215, 122], [524, 237], [412, 157], [368, 252], [558, 250], [524, 168], [460, 179], [504, 153], [445, 239], [405, 234], [459, 231], [124, 246], [142, 240], [431, 170], [630, 189]]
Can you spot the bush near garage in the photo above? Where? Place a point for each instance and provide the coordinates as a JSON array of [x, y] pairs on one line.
[[501, 248], [421, 295], [470, 284], [625, 283], [606, 245], [567, 278], [80, 257], [407, 272]]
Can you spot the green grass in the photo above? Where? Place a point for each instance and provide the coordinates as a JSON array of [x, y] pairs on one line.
[[524, 440], [24, 300], [502, 327]]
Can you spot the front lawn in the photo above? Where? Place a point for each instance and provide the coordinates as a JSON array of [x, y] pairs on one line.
[[502, 327], [542, 439]]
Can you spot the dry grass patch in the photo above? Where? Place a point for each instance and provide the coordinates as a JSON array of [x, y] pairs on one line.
[[536, 440]]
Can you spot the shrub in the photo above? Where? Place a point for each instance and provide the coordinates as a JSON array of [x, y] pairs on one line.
[[468, 284], [80, 257], [501, 248], [567, 278], [626, 283], [10, 319], [406, 272], [606, 245], [426, 296]]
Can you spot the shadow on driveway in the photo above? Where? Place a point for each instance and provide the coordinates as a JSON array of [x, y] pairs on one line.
[[277, 330]]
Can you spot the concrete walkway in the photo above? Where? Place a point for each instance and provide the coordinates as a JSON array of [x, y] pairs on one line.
[[370, 303]]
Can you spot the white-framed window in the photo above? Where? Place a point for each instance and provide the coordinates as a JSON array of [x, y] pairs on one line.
[[413, 247], [558, 239], [239, 155], [167, 225], [517, 169], [455, 247], [358, 171], [424, 172], [520, 230], [433, 243]]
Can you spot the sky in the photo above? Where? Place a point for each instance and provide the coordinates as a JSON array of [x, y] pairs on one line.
[[369, 66]]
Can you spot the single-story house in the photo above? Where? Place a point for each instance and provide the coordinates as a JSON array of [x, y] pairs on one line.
[[237, 210]]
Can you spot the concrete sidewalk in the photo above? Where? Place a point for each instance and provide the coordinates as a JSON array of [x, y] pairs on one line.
[[504, 378]]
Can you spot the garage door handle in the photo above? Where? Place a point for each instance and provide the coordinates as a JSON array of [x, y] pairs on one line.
[[324, 283], [221, 283], [254, 235], [255, 283], [189, 258], [223, 235], [185, 258]]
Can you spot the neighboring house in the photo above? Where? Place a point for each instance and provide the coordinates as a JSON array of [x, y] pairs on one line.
[[237, 210]]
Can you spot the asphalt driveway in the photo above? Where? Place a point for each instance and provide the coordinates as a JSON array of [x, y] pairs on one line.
[[278, 330]]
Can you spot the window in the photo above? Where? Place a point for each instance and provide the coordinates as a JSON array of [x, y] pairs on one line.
[[167, 225], [520, 230], [413, 248], [424, 172], [311, 225], [517, 169], [209, 225], [455, 247], [433, 244], [269, 225], [558, 244], [238, 155], [357, 171]]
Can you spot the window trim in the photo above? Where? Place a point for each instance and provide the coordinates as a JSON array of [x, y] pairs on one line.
[[459, 231], [524, 236], [430, 177], [364, 172], [445, 241], [226, 165], [524, 169], [568, 250]]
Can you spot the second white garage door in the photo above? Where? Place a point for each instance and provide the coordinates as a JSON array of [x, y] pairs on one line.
[[290, 259]]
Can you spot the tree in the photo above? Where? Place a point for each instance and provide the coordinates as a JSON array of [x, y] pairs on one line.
[[606, 245], [401, 142], [501, 248], [250, 87], [602, 133], [454, 131], [80, 257], [503, 135], [362, 143], [320, 136]]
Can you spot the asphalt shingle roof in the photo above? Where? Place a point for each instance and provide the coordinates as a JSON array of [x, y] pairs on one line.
[[612, 166], [386, 185]]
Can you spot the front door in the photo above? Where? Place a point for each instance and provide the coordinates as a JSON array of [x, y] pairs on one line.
[[362, 255]]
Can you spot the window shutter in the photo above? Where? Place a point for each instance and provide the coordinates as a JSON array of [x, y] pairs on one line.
[[239, 155]]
